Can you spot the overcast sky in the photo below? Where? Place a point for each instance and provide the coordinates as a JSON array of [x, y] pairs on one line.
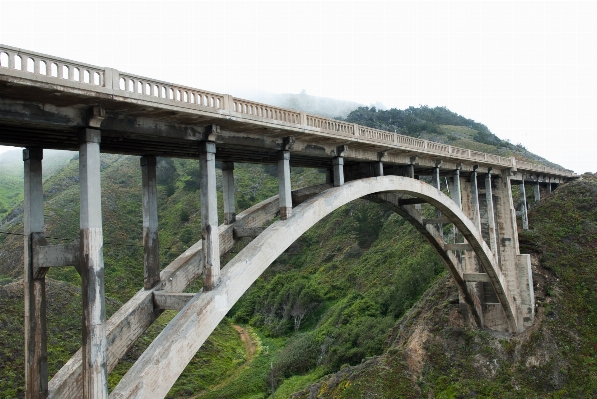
[[527, 70]]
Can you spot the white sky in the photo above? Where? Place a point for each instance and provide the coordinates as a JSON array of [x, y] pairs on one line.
[[527, 70]]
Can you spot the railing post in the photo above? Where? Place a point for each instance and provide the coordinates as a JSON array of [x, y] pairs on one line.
[[36, 356], [284, 185], [95, 374], [151, 245], [228, 189], [209, 214]]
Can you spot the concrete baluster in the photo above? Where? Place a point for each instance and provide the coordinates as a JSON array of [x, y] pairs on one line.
[[151, 245], [228, 189], [284, 184], [36, 361], [95, 374], [209, 214]]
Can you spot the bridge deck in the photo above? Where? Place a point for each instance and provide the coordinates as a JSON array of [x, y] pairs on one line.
[[45, 100]]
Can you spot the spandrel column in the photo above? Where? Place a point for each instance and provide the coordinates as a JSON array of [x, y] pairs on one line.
[[95, 375], [151, 244], [228, 192], [209, 214], [36, 361], [284, 185]]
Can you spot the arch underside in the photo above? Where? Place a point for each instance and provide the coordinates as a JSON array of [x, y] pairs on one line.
[[158, 368]]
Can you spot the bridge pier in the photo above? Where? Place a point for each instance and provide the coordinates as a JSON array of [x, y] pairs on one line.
[[228, 192], [151, 245], [209, 214], [284, 185], [95, 375], [36, 356]]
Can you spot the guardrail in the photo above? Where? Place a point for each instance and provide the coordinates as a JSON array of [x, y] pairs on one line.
[[62, 70]]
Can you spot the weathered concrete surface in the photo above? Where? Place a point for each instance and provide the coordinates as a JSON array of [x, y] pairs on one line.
[[151, 242], [228, 190], [158, 368], [284, 186], [95, 347], [36, 354], [209, 214]]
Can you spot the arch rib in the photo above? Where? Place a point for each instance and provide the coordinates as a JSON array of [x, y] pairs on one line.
[[160, 365]]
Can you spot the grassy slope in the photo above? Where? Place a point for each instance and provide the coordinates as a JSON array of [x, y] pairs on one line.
[[433, 354]]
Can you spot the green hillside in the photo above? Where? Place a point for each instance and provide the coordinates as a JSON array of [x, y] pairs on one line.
[[432, 354], [330, 302]]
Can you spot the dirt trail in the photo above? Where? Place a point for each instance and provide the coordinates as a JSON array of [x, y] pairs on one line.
[[250, 349]]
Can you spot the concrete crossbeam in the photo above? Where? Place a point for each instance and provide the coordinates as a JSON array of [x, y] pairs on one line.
[[476, 278], [438, 220], [240, 232], [170, 300], [458, 247]]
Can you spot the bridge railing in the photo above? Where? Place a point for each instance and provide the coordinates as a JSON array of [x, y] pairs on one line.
[[60, 70], [263, 111], [52, 67], [167, 92]]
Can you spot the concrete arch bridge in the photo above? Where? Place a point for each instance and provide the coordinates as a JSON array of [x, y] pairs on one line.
[[47, 102]]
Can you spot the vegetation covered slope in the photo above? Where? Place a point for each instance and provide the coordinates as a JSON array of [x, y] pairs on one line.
[[431, 352]]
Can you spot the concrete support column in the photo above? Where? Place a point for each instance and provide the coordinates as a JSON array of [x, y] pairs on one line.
[[525, 215], [95, 373], [456, 197], [338, 163], [410, 171], [284, 185], [537, 192], [435, 182], [378, 168], [151, 245], [549, 187], [490, 215], [36, 355], [209, 214], [228, 189], [474, 190]]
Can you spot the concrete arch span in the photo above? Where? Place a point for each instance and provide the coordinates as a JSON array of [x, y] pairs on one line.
[[160, 365]]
